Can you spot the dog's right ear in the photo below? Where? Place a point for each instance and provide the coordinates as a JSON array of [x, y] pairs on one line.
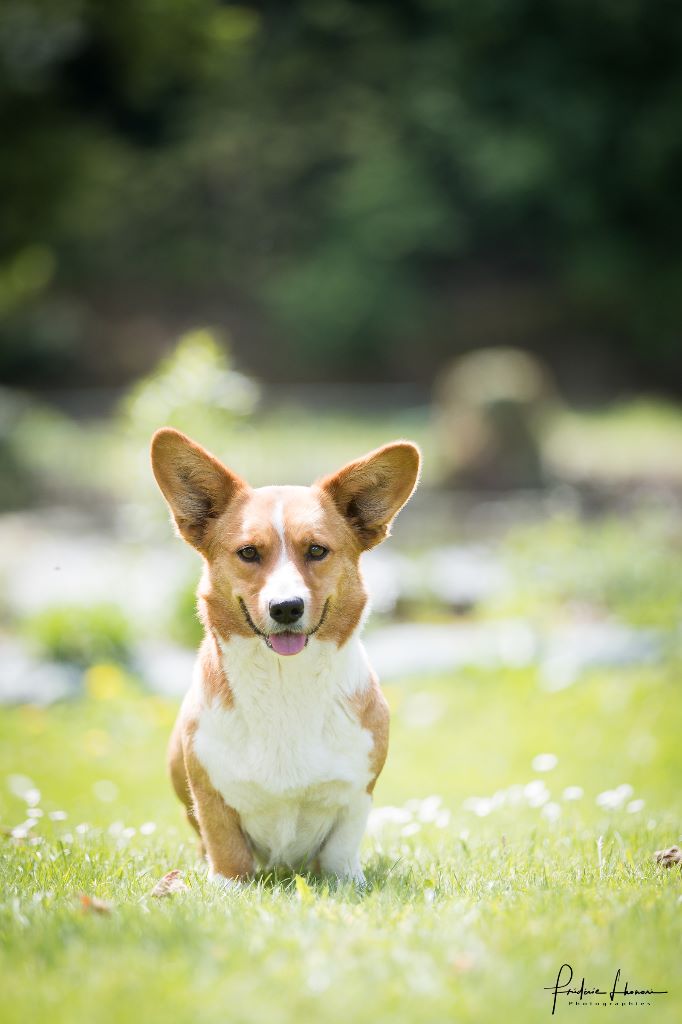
[[196, 485]]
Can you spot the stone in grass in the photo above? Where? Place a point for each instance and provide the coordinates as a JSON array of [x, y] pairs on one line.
[[169, 885], [490, 405], [673, 855]]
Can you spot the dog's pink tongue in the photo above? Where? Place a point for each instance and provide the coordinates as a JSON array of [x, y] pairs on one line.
[[287, 643]]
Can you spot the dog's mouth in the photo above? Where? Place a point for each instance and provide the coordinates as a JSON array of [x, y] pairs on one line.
[[286, 641]]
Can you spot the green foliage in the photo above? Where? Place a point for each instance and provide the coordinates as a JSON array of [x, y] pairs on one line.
[[17, 486], [192, 389], [631, 570], [81, 634], [332, 162], [619, 443], [184, 627]]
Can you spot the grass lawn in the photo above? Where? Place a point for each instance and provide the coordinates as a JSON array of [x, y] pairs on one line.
[[468, 915]]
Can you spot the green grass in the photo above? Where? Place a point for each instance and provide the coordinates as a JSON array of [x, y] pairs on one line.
[[616, 445], [464, 920], [635, 439], [627, 567]]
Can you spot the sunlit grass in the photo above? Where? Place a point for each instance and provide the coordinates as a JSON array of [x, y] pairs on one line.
[[471, 906], [284, 441], [640, 439]]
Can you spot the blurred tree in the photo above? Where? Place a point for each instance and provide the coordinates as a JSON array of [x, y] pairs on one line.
[[333, 171]]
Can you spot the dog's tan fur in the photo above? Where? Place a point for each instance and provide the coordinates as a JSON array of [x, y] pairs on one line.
[[218, 513]]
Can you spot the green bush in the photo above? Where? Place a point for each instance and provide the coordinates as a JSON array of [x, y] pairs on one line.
[[194, 389], [81, 634], [333, 168], [184, 626], [631, 570]]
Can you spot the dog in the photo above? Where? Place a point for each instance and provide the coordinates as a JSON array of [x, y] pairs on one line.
[[284, 731]]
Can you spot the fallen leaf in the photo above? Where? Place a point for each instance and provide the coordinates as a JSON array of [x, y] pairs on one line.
[[673, 855], [94, 905], [169, 885], [462, 962], [305, 893]]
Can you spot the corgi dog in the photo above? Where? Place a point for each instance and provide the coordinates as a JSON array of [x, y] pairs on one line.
[[284, 730]]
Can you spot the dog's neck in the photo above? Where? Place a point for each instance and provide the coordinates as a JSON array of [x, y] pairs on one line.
[[323, 672]]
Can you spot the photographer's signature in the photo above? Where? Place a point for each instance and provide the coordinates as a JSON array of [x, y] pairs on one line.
[[583, 995]]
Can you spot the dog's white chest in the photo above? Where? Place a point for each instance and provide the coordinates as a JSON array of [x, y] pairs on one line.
[[288, 755]]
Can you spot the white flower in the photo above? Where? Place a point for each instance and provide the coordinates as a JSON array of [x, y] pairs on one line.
[[544, 762], [411, 829], [32, 797], [147, 828], [105, 790], [480, 805], [20, 785], [536, 793], [379, 817], [612, 799], [58, 815], [573, 793], [634, 806], [429, 808], [551, 811]]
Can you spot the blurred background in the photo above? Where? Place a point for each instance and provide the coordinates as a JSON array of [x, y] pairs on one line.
[[297, 231]]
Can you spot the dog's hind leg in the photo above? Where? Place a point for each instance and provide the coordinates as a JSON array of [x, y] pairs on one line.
[[228, 850], [178, 774]]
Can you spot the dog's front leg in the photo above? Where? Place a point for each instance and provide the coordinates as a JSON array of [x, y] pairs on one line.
[[340, 854], [228, 853]]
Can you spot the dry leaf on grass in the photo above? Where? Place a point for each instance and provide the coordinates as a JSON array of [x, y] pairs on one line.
[[462, 962], [169, 885], [673, 855], [94, 905], [303, 890]]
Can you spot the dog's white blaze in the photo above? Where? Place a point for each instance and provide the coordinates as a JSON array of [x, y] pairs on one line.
[[285, 581], [278, 523], [288, 755]]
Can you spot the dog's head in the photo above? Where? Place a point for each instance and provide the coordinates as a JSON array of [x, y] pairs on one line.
[[282, 563]]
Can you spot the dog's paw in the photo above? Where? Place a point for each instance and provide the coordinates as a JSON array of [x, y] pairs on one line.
[[669, 857], [223, 884], [354, 877]]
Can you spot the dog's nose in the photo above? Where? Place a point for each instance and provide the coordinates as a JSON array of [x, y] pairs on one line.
[[287, 612]]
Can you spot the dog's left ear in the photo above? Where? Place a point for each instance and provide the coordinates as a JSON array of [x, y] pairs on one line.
[[370, 491], [196, 485]]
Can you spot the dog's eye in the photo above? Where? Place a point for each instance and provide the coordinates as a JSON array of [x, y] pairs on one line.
[[316, 552], [249, 554]]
